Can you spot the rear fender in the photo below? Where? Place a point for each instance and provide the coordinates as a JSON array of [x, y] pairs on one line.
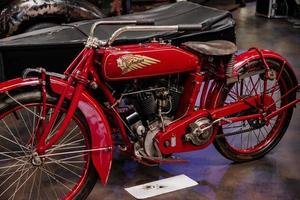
[[97, 122], [241, 61], [251, 55], [18, 12]]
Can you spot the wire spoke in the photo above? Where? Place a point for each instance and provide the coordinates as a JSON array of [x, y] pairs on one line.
[[52, 132], [15, 165], [253, 86], [68, 134], [68, 158], [70, 163], [16, 141], [32, 186], [18, 183], [25, 181], [25, 123], [55, 147], [12, 158], [11, 166], [52, 186], [12, 183], [47, 172], [10, 151], [58, 163], [39, 184], [11, 175], [6, 174]]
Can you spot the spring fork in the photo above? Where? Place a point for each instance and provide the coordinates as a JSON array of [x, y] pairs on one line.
[[44, 97], [42, 119], [78, 76]]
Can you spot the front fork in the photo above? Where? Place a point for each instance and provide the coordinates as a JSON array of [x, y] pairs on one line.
[[42, 146], [79, 76]]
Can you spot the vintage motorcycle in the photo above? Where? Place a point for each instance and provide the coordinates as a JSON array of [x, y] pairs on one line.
[[154, 99]]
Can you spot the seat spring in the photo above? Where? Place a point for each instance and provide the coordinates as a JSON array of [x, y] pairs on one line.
[[230, 65]]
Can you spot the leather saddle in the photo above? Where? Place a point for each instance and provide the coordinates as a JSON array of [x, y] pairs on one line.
[[212, 48]]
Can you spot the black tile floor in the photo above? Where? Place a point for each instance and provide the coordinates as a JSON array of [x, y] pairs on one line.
[[276, 176]]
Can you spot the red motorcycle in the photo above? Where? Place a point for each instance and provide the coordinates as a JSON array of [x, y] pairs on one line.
[[57, 129]]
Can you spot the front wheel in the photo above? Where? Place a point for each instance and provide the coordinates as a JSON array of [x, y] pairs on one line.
[[64, 172], [251, 139]]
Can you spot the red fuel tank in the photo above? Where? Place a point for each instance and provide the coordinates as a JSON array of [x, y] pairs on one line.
[[146, 60]]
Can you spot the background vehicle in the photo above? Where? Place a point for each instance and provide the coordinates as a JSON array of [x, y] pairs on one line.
[[20, 16], [63, 42]]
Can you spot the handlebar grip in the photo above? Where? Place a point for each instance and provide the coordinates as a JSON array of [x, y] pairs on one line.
[[145, 22], [190, 27]]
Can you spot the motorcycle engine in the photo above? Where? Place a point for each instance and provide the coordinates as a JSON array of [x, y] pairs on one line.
[[147, 107]]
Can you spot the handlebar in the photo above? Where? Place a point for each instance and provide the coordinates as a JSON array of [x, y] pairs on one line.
[[123, 22], [145, 22], [144, 25], [190, 27], [172, 28]]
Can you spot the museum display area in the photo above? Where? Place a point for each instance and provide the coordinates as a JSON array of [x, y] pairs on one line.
[[180, 101]]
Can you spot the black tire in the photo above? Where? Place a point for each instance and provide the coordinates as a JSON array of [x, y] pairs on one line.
[[228, 150], [29, 98]]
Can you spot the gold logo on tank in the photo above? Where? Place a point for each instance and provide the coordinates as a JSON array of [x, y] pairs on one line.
[[132, 62]]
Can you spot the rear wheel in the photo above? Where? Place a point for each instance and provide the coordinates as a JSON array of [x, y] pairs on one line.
[[252, 139], [63, 172]]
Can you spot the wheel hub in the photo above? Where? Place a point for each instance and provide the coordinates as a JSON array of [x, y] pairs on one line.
[[256, 123], [36, 160]]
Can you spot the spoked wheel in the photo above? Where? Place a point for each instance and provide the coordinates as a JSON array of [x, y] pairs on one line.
[[251, 139], [64, 172]]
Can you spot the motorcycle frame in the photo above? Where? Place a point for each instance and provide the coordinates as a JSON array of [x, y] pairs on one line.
[[82, 73], [83, 65]]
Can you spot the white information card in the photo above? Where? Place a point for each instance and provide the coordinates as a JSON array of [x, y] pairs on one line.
[[159, 187]]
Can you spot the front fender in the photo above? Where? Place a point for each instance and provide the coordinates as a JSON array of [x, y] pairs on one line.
[[97, 122], [19, 12], [251, 55]]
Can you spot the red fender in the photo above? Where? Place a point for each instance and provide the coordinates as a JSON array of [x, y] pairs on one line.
[[251, 55], [96, 119]]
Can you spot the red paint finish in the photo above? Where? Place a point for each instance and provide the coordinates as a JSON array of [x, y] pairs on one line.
[[188, 98], [171, 60], [178, 129], [18, 83]]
